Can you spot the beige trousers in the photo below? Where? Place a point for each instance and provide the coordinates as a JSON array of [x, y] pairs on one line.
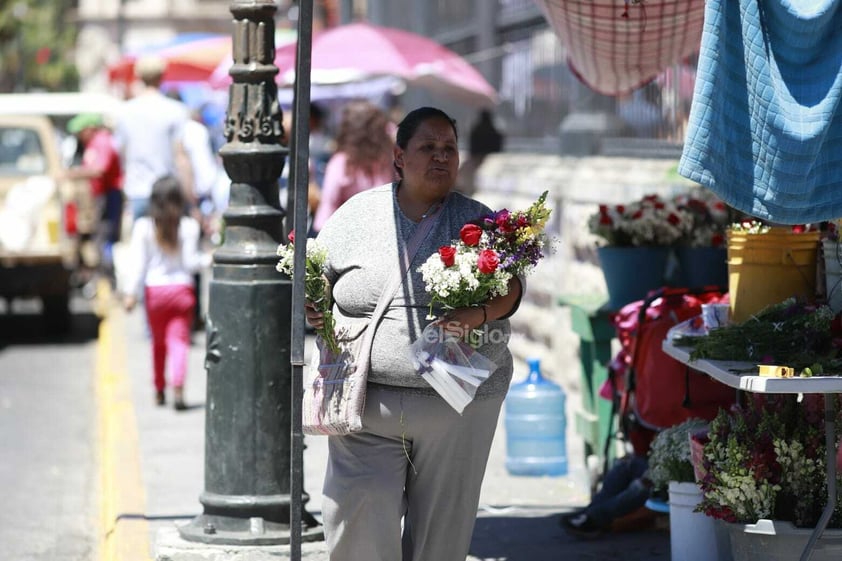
[[417, 458]]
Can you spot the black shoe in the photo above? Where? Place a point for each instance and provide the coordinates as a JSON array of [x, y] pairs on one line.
[[179, 399], [160, 399], [580, 525]]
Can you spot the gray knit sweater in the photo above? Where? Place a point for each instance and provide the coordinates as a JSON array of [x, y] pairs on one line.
[[363, 239]]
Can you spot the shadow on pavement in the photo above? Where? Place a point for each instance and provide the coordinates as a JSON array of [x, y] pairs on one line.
[[31, 329], [540, 538]]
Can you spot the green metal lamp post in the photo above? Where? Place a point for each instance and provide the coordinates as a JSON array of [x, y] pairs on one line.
[[246, 498]]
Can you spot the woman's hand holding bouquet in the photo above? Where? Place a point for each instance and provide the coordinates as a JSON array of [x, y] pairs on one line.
[[316, 286], [461, 278]]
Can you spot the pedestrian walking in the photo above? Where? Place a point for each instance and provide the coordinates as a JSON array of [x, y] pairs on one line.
[[416, 458], [149, 135], [164, 255], [363, 158], [101, 166]]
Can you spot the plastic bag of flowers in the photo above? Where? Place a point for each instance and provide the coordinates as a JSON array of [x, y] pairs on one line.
[[766, 460]]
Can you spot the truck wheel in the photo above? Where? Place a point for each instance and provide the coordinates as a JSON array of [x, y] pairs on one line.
[[57, 313]]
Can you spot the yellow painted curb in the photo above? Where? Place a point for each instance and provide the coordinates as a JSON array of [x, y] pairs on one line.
[[124, 532]]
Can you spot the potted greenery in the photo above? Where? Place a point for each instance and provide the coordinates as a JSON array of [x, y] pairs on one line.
[[765, 475], [693, 535]]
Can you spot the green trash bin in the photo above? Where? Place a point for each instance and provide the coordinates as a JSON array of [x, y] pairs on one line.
[[591, 321]]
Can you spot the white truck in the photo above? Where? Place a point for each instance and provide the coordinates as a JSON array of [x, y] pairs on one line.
[[46, 221]]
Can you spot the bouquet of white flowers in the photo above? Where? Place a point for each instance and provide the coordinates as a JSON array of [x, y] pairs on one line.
[[316, 286]]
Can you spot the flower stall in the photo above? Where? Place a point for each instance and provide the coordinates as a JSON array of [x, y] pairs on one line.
[[678, 241], [769, 464]]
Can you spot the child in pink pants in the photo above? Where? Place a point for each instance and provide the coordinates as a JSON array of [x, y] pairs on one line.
[[165, 256]]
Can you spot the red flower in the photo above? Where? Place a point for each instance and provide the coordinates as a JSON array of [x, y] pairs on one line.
[[291, 237], [448, 255], [605, 220], [799, 229], [673, 219], [716, 240], [488, 261], [470, 234], [621, 209], [503, 223]]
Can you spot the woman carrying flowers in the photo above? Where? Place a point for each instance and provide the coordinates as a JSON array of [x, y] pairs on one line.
[[415, 457]]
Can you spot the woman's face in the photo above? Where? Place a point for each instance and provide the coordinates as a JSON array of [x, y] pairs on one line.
[[430, 162]]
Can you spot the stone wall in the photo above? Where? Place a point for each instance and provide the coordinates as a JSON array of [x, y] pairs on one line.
[[576, 187]]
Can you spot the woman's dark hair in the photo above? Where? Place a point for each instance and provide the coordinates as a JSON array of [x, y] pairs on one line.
[[413, 120], [166, 207]]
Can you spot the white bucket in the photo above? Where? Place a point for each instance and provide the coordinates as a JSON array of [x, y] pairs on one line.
[[693, 536], [772, 540]]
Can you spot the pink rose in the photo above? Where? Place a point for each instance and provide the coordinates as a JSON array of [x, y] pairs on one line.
[[487, 262], [470, 234], [291, 236], [448, 255]]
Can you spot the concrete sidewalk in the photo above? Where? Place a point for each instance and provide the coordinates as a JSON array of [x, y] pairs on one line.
[[517, 520]]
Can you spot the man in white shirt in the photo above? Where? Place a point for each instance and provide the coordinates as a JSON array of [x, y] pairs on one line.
[[149, 134]]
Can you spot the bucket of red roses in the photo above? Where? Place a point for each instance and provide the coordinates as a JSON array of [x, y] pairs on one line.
[[635, 242], [702, 253]]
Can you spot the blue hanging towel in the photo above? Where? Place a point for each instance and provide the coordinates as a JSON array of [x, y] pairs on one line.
[[765, 128]]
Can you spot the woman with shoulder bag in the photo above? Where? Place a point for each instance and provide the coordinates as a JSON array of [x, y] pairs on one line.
[[415, 458]]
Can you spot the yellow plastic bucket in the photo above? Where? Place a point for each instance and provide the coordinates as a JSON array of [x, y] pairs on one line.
[[764, 269]]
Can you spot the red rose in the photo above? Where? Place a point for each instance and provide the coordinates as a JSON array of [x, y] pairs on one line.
[[799, 229], [448, 255], [470, 234], [487, 262], [717, 240], [673, 219]]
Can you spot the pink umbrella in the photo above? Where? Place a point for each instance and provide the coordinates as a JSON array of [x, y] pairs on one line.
[[360, 51]]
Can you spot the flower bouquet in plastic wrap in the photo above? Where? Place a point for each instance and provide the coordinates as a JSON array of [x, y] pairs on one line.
[[468, 272]]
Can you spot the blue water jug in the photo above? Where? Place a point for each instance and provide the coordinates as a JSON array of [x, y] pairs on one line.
[[536, 425]]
